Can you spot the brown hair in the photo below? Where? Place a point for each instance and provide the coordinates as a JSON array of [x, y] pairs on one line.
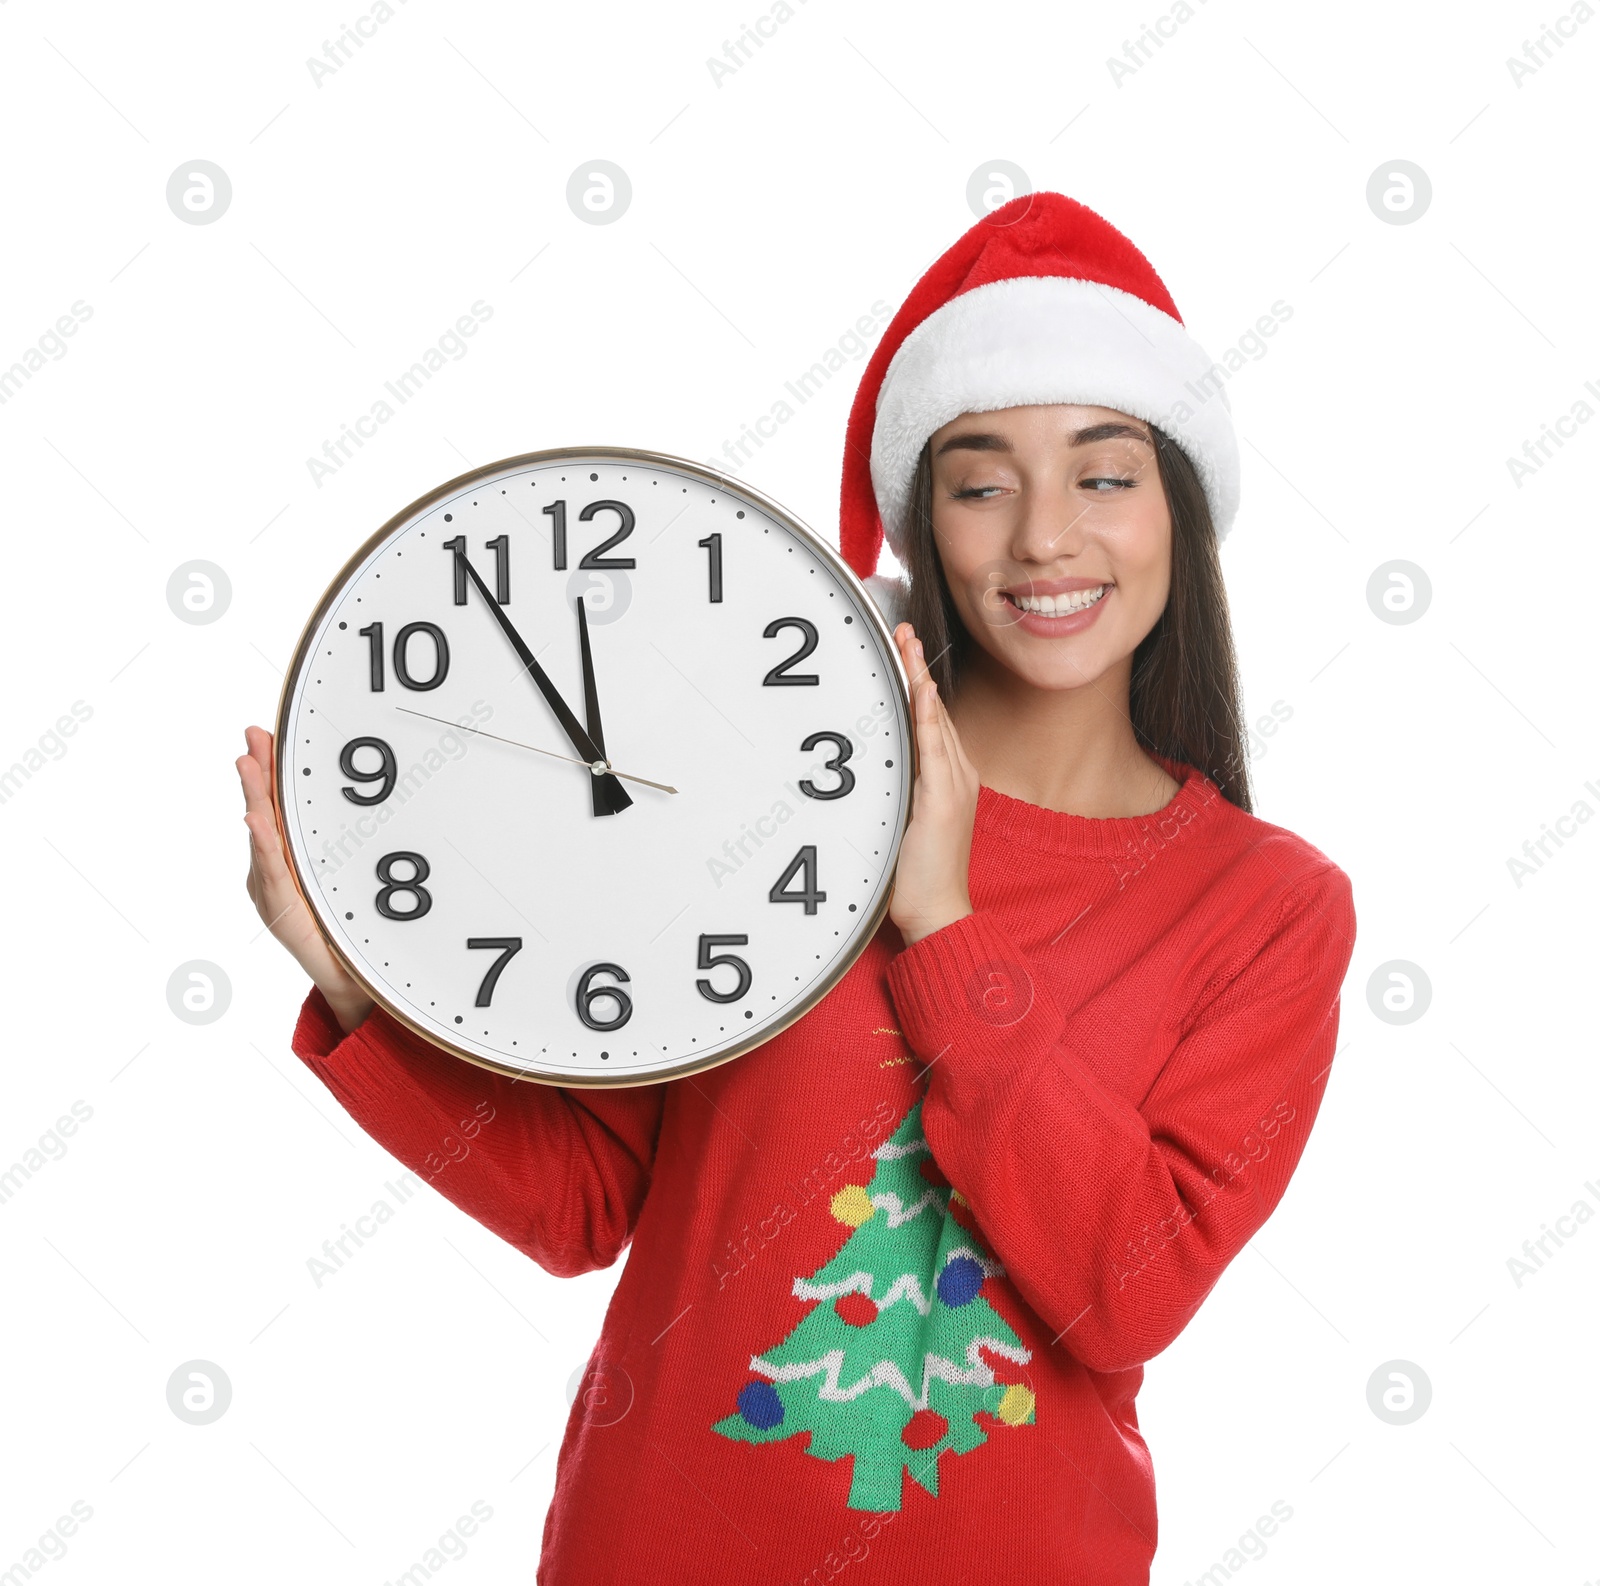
[[1184, 696]]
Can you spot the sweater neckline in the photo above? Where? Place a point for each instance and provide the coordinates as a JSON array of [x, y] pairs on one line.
[[1027, 825]]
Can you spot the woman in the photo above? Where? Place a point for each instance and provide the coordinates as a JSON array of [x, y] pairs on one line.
[[895, 1274]]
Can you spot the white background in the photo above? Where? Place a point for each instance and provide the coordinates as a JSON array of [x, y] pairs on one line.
[[768, 213]]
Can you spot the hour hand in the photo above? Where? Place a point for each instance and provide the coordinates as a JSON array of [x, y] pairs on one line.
[[601, 787], [580, 740]]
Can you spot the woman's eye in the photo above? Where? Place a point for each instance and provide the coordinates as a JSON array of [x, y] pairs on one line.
[[1099, 485]]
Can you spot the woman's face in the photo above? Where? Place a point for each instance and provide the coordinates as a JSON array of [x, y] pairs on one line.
[[1055, 537]]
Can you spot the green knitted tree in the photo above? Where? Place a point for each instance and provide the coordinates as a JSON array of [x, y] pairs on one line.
[[888, 1365]]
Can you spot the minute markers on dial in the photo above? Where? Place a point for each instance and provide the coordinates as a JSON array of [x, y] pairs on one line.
[[605, 766]]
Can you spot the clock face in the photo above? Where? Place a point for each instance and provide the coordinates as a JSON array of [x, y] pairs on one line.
[[593, 766]]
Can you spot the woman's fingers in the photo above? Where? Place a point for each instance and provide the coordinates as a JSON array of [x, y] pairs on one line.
[[931, 876], [266, 853], [942, 766], [255, 771], [952, 744], [269, 884], [905, 638], [256, 802], [938, 743], [925, 706], [259, 741], [947, 742], [272, 888], [258, 790], [930, 731], [249, 779]]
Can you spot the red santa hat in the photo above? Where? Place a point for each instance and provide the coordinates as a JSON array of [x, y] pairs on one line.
[[1042, 301]]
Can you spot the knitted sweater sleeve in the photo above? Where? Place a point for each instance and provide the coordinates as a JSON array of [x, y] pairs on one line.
[[561, 1174], [1114, 1220]]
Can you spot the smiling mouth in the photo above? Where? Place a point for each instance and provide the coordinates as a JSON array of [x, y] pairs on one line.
[[1058, 605]]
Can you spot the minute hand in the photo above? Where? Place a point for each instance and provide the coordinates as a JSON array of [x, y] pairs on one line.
[[579, 738]]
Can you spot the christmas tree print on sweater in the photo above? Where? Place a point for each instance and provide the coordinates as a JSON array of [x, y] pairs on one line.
[[889, 1364]]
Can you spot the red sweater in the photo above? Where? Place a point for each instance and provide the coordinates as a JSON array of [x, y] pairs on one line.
[[894, 1274]]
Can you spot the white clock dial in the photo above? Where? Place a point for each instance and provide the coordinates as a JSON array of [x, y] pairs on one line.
[[477, 875]]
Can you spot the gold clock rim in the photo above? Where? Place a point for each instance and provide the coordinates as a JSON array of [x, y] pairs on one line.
[[868, 928]]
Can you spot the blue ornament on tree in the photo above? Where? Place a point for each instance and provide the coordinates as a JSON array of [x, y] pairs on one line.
[[960, 1281], [760, 1405]]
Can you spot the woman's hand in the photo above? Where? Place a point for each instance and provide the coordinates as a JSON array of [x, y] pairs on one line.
[[272, 889], [930, 885]]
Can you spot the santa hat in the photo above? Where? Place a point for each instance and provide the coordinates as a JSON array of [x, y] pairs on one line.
[[1042, 301]]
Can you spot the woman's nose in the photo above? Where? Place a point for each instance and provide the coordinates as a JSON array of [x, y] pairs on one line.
[[1051, 525]]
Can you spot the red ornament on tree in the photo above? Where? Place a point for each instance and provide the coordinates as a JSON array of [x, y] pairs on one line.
[[856, 1310], [924, 1429]]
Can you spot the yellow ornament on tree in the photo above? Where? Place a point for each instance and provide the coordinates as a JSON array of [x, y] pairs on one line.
[[851, 1206], [1016, 1404]]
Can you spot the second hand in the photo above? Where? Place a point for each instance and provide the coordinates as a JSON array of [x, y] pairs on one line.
[[516, 743]]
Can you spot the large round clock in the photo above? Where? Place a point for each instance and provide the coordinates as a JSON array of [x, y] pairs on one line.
[[593, 766]]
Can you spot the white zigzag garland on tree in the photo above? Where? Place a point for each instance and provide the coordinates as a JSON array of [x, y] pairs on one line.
[[886, 1374], [908, 1286]]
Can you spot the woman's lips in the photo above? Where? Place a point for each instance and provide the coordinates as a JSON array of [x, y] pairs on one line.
[[1075, 606]]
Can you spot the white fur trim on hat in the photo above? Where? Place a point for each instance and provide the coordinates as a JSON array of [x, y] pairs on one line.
[[1043, 339], [891, 595]]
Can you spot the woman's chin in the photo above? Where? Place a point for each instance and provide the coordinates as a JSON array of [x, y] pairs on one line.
[[1053, 665]]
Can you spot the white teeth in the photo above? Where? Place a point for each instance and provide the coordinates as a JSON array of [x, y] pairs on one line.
[[1060, 605]]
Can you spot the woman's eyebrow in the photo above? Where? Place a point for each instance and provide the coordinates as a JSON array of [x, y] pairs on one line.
[[974, 441], [988, 441], [1109, 432]]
